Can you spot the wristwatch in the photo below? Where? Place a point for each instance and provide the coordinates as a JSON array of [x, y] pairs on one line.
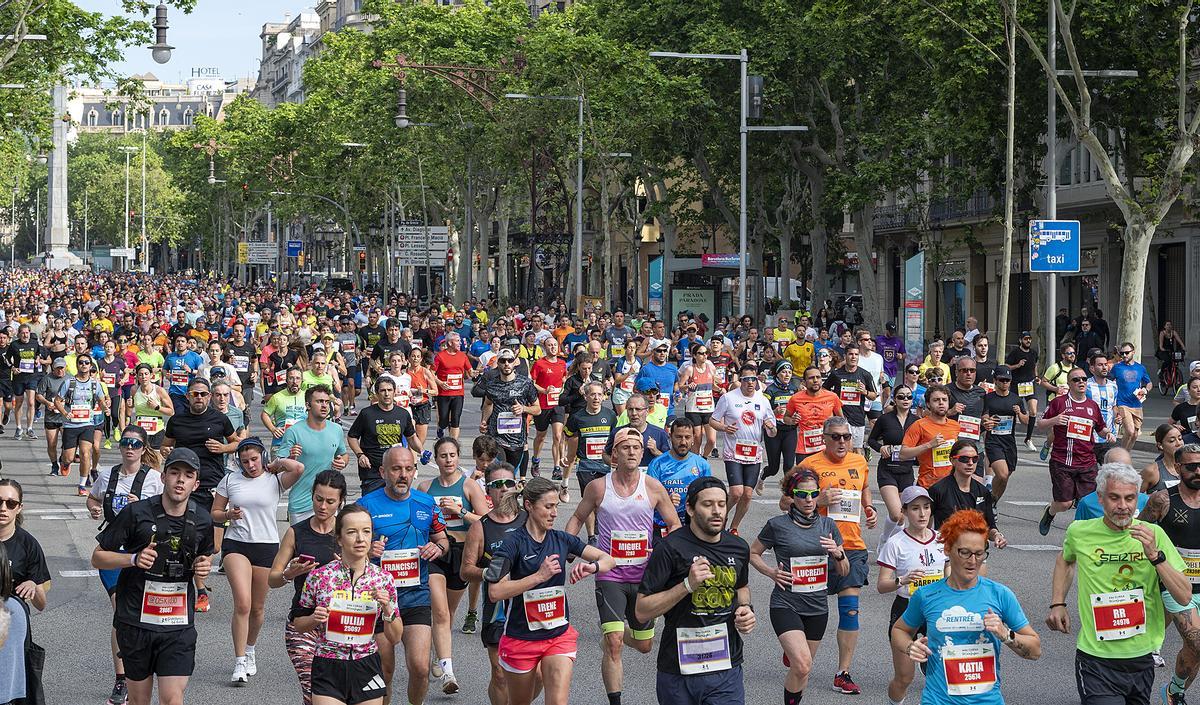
[[388, 619], [1162, 557], [1012, 636]]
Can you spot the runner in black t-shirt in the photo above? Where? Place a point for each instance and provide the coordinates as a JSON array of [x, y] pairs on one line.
[[379, 427], [509, 399], [1022, 361], [856, 388], [698, 578], [1001, 410]]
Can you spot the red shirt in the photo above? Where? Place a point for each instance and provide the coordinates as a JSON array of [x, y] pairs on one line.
[[451, 368], [549, 374], [1074, 443]]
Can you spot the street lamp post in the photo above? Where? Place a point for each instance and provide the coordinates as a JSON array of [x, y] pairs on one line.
[[145, 242], [127, 150], [577, 240]]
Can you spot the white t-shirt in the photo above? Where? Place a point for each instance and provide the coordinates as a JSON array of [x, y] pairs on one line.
[[258, 498], [748, 414], [151, 486], [904, 554], [873, 364]]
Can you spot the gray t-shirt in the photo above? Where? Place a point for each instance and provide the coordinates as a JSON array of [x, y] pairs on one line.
[[52, 388], [801, 550]]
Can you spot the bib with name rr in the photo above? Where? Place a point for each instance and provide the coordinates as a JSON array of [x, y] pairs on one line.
[[970, 669], [703, 649], [164, 604], [545, 608], [404, 564], [351, 622], [809, 573], [1119, 615]]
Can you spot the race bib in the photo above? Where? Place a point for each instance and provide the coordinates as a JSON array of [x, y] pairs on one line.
[[1191, 563], [1079, 428], [403, 397], [241, 363], [1025, 389], [164, 604], [80, 413], [26, 366], [149, 424], [349, 346], [1119, 615], [1003, 427], [509, 423], [405, 566], [593, 448], [664, 400], [851, 393], [179, 378], [616, 351], [941, 455], [703, 649], [812, 441], [704, 401], [928, 579], [627, 385], [109, 379], [809, 573], [545, 608], [746, 453], [988, 387], [969, 427], [848, 507], [454, 382], [970, 668], [552, 394], [630, 547], [351, 622]]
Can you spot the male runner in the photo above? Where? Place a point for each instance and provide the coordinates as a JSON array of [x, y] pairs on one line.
[[1133, 383], [855, 388], [285, 408], [809, 408], [508, 399], [452, 367], [676, 470], [587, 433], [1001, 410], [743, 415], [1022, 361], [548, 375], [26, 358], [379, 427]]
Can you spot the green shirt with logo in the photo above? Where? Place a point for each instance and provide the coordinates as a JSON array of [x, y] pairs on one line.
[[1120, 601]]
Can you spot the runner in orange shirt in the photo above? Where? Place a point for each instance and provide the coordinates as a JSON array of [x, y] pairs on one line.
[[929, 439], [808, 409]]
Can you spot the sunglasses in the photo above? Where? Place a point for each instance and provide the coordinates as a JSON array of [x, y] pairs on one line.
[[11, 503], [1127, 352], [902, 397], [840, 436], [198, 395], [504, 484], [967, 459], [747, 379], [1192, 467], [133, 443], [1078, 379], [805, 494]]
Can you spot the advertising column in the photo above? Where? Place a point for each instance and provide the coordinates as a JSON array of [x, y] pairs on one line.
[[914, 306]]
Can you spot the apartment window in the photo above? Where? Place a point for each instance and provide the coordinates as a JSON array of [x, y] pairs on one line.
[[164, 117], [188, 117], [93, 117], [116, 118]]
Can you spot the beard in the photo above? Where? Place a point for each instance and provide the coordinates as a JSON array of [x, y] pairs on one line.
[[1121, 521]]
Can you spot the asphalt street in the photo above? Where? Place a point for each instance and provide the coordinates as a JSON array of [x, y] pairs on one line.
[[74, 629]]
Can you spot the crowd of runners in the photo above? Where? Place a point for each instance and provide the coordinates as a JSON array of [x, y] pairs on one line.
[[651, 437]]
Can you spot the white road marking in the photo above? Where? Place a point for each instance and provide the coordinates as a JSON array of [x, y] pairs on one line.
[[1024, 503], [79, 573], [56, 510], [1034, 547]]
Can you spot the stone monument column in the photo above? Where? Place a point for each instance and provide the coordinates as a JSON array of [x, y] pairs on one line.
[[57, 236]]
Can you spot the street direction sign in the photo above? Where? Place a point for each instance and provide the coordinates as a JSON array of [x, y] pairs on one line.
[[416, 249], [1054, 246], [294, 248], [259, 252], [126, 252]]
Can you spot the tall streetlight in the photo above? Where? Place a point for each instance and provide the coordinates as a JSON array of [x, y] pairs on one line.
[[743, 130], [577, 244], [160, 51]]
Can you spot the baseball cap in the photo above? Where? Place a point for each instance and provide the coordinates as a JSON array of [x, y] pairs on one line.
[[627, 435], [1025, 334], [184, 456], [663, 345], [704, 483], [1191, 368], [1002, 372], [506, 354], [891, 326], [60, 362], [911, 493]]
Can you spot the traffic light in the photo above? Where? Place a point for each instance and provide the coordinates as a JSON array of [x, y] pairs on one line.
[[132, 216], [245, 191], [362, 261]]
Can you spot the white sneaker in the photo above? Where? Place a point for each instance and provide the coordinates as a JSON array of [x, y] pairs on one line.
[[449, 684], [251, 666], [1032, 448], [239, 677], [435, 668]]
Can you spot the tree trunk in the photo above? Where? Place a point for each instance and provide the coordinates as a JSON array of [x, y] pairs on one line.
[[818, 238], [868, 276], [502, 243], [785, 263], [1006, 255], [603, 259], [1137, 237]]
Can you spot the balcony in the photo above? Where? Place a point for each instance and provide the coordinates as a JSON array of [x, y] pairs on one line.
[[978, 206], [898, 217]]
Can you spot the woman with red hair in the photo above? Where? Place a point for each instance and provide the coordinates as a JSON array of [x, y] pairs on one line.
[[969, 620]]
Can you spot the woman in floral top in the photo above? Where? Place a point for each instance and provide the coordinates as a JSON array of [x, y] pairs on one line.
[[346, 597]]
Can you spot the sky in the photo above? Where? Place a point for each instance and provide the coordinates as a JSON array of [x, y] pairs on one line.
[[221, 34]]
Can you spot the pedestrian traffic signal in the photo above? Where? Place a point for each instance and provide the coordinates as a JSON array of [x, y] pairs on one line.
[[362, 261]]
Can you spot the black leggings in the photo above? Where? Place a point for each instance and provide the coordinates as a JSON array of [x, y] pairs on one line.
[[781, 447]]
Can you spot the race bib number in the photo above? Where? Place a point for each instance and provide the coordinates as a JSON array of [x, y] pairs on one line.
[[851, 393], [164, 604], [941, 455], [593, 448], [969, 427], [988, 387], [26, 366], [664, 400], [454, 382], [509, 423], [351, 622], [1119, 615], [81, 413], [746, 453], [703, 649], [1191, 563], [704, 401], [1079, 428], [616, 351], [970, 668], [241, 363], [1003, 427], [627, 385], [848, 507], [179, 378], [630, 547], [1025, 389], [405, 566], [545, 608], [149, 424], [812, 441], [552, 394], [403, 398], [927, 579], [109, 379], [349, 346], [809, 573]]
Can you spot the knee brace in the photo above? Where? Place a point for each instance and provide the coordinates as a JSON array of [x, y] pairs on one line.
[[848, 613]]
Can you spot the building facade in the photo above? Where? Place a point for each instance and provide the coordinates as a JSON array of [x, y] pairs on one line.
[[170, 106]]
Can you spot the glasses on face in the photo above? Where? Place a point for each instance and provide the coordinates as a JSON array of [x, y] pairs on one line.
[[1192, 467], [967, 554], [11, 503], [839, 436], [902, 397], [967, 370], [805, 494], [1069, 353], [747, 379], [967, 459], [700, 352], [1127, 352], [504, 484], [1078, 379], [198, 395], [133, 443], [911, 371]]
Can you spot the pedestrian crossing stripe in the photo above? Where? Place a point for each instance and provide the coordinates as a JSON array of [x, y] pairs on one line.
[[1034, 547], [79, 573]]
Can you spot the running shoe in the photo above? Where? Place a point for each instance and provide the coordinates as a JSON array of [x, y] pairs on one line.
[[535, 467], [471, 622], [449, 684], [119, 694], [713, 453], [30, 435], [2, 430], [239, 677], [251, 665], [557, 474], [843, 683], [1045, 522], [758, 487], [1169, 698], [1158, 659], [435, 668], [53, 469], [1029, 445], [1045, 450], [426, 456], [81, 490], [564, 493], [107, 444], [65, 470], [734, 532], [92, 477], [441, 432], [202, 601], [17, 435]]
